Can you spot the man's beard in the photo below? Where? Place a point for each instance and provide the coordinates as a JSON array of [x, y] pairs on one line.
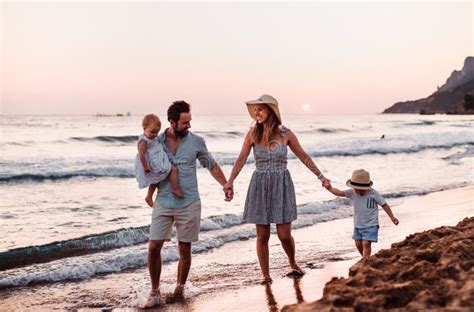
[[179, 133]]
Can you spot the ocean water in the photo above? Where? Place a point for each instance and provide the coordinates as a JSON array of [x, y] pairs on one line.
[[71, 209]]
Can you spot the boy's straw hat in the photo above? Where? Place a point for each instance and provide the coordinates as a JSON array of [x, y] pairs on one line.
[[360, 180], [264, 99]]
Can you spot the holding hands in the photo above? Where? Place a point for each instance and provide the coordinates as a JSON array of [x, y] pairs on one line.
[[228, 189], [326, 183]]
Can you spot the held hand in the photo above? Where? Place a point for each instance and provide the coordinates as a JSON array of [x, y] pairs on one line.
[[395, 221], [147, 169], [228, 191], [326, 183], [229, 195], [228, 186]]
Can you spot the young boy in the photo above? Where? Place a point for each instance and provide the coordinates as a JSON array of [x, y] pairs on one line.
[[366, 213]]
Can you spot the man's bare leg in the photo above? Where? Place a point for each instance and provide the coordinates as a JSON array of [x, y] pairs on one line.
[[154, 268], [184, 265], [154, 262]]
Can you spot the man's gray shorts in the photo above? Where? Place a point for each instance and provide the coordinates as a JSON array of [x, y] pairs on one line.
[[187, 222]]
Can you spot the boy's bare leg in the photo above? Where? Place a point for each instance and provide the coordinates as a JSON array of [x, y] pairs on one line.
[[367, 245], [359, 247], [175, 183], [149, 195]]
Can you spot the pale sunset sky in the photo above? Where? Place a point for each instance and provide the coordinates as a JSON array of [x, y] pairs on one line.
[[314, 57]]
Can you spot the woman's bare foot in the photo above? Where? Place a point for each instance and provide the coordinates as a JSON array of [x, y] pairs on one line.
[[149, 201], [177, 192], [296, 271], [266, 281]]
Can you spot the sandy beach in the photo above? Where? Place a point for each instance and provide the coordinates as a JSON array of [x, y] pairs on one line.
[[324, 250], [283, 94], [417, 214], [428, 270]]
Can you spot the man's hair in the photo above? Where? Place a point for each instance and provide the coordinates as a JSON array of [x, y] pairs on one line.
[[151, 119], [176, 109]]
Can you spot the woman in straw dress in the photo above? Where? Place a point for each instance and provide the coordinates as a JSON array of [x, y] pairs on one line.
[[271, 194]]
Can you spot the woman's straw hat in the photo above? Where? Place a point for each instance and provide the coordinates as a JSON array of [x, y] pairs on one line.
[[360, 180], [264, 99]]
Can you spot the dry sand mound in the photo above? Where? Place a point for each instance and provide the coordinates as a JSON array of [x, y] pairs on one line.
[[428, 270]]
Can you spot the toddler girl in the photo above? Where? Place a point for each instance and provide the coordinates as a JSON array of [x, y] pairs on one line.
[[152, 164]]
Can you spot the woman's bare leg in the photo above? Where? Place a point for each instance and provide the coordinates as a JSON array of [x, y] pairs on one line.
[[288, 244], [263, 236]]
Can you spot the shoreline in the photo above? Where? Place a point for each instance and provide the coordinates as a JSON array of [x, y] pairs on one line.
[[313, 283], [221, 280]]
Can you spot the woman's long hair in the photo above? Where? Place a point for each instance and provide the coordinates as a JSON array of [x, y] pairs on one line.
[[263, 135]]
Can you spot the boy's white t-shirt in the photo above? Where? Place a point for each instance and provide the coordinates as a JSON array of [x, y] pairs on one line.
[[366, 212]]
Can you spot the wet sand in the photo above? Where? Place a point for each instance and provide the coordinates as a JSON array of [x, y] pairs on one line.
[[415, 215], [226, 278]]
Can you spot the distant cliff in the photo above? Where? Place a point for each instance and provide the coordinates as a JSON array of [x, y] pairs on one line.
[[455, 96], [461, 77]]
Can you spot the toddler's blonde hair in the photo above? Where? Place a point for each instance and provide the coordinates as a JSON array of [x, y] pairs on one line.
[[151, 119]]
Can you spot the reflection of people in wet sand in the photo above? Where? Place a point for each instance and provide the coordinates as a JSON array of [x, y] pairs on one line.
[[271, 301], [299, 294], [271, 194]]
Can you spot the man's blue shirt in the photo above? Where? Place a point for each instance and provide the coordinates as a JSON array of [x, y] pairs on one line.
[[191, 147]]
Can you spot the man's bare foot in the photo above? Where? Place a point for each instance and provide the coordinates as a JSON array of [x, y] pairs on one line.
[[177, 192], [179, 289], [153, 300], [177, 296], [149, 201]]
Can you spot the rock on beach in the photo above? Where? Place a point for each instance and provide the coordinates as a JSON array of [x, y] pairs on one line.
[[428, 270]]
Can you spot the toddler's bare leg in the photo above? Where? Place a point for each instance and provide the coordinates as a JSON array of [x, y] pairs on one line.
[[174, 182], [149, 195]]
